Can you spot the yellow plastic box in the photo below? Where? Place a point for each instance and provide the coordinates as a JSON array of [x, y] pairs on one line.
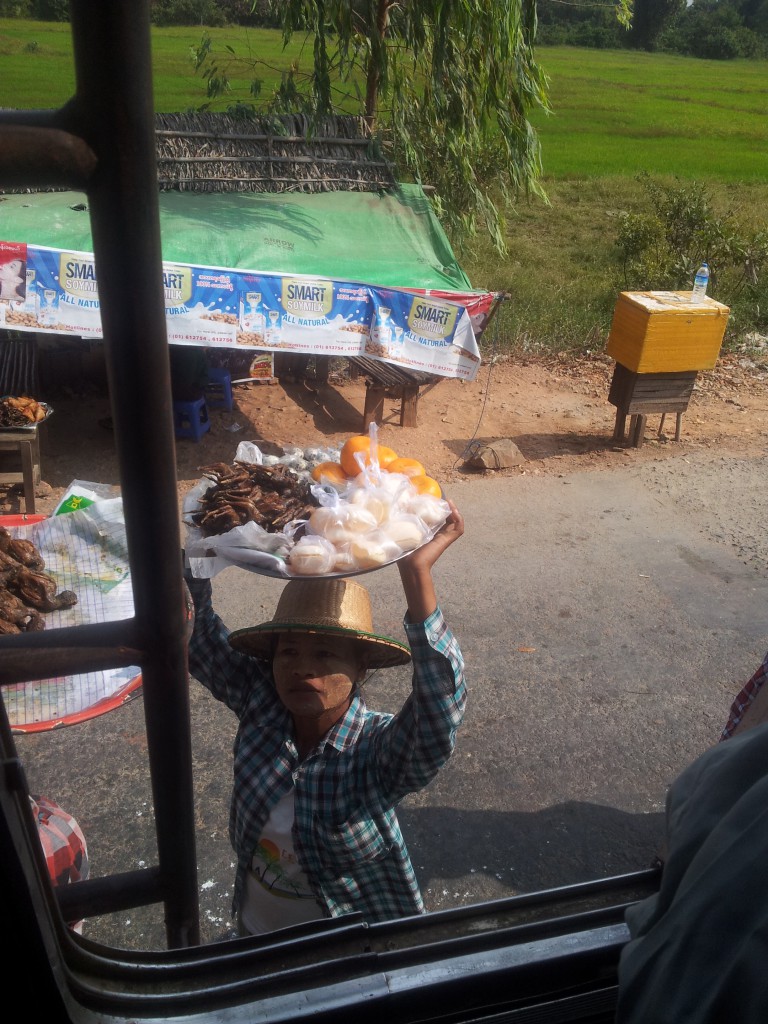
[[664, 332]]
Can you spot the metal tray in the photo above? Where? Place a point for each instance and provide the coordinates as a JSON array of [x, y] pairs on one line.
[[26, 427], [276, 567]]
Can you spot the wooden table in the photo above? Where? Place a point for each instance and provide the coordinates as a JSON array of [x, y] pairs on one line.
[[638, 394], [25, 444]]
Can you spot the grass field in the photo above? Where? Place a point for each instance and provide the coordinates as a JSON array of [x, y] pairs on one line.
[[614, 115], [621, 112], [37, 71]]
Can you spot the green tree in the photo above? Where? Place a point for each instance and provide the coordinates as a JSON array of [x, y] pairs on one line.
[[755, 15], [446, 87], [15, 8], [715, 29], [50, 10], [649, 19]]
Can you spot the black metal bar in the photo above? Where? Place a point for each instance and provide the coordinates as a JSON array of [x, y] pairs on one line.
[[103, 142], [124, 891], [68, 651], [114, 106]]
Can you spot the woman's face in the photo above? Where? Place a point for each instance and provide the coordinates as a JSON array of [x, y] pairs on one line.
[[315, 675], [10, 271]]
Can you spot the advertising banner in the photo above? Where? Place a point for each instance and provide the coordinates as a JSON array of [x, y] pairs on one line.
[[55, 291]]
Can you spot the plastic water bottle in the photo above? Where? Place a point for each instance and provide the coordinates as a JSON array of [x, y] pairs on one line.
[[700, 283]]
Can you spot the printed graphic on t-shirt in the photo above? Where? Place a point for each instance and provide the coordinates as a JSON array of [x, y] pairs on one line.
[[278, 871]]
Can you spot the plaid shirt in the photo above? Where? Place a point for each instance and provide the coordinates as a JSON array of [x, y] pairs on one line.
[[346, 833], [744, 698]]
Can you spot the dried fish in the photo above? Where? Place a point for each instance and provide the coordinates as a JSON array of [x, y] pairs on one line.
[[24, 590], [271, 496]]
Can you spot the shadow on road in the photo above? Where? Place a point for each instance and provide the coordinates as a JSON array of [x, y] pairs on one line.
[[485, 854]]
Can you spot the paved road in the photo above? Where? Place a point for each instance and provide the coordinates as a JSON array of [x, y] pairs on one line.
[[607, 619]]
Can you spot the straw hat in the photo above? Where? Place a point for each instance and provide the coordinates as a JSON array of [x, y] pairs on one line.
[[337, 607]]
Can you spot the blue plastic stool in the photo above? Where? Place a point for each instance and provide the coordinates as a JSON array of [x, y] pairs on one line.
[[218, 390], [190, 419]]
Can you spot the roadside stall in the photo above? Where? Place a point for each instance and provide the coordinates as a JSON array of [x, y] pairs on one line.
[[331, 274], [273, 245], [284, 242], [279, 241]]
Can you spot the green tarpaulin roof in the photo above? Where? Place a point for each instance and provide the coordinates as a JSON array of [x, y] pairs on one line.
[[391, 240]]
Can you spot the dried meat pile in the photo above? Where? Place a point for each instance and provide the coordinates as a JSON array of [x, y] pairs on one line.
[[270, 496], [25, 590]]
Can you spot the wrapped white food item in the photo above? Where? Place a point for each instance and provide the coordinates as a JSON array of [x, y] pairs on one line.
[[247, 451], [376, 500], [432, 511], [312, 556], [344, 563], [408, 532], [396, 484], [341, 523], [372, 550]]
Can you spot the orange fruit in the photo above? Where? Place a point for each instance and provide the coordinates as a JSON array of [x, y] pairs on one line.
[[361, 443], [385, 456], [426, 485], [408, 467], [357, 443], [330, 473]]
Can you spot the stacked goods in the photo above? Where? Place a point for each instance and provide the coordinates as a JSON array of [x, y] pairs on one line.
[[306, 514], [361, 452], [378, 507]]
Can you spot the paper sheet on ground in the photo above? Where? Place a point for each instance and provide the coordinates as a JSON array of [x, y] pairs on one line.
[[87, 552]]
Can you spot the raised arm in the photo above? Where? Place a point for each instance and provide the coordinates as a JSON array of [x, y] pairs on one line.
[[416, 569]]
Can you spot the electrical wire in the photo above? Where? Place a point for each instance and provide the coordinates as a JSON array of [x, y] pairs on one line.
[[472, 446]]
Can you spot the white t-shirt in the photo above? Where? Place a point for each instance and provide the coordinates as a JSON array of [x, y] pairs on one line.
[[277, 892]]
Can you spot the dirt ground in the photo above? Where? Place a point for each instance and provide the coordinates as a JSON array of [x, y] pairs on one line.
[[555, 410]]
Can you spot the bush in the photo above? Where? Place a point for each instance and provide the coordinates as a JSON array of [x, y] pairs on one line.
[[15, 8], [50, 10], [596, 37], [215, 13], [188, 12], [715, 31], [660, 249], [595, 34], [719, 43]]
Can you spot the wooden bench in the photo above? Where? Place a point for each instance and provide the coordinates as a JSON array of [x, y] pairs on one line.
[[638, 394], [383, 380]]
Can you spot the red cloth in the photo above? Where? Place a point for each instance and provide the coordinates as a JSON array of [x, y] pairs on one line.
[[744, 698], [63, 842]]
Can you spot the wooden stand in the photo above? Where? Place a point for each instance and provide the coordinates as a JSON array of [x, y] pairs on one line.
[[383, 380], [27, 445], [638, 394]]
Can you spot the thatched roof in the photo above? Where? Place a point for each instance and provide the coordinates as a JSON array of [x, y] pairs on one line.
[[289, 153], [221, 153]]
